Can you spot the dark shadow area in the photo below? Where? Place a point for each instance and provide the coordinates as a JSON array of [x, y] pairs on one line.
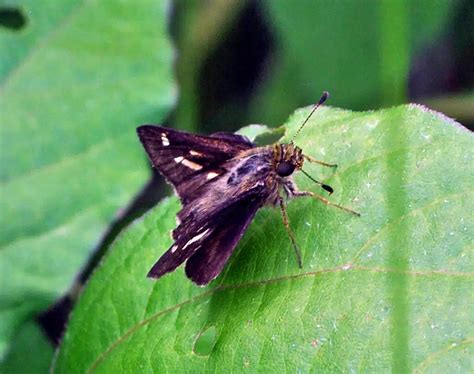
[[12, 18], [463, 41], [232, 73], [53, 321], [446, 65], [444, 68]]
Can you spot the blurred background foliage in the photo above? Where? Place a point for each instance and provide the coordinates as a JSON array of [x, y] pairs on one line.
[[246, 61], [254, 61]]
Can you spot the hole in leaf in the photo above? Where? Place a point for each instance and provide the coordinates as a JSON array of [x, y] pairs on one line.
[[205, 341], [12, 18]]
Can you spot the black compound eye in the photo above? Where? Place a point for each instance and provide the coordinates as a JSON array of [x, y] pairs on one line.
[[285, 168]]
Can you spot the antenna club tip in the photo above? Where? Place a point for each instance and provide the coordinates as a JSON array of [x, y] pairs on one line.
[[323, 98], [329, 189]]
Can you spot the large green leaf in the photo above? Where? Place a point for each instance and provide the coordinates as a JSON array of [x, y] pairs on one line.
[[83, 78], [336, 314]]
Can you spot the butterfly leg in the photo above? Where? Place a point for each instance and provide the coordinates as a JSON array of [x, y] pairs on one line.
[[313, 160], [324, 200], [286, 222]]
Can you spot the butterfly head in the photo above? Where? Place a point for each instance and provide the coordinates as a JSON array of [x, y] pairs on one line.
[[287, 158]]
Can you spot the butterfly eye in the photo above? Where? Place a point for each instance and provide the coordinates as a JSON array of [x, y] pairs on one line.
[[285, 168]]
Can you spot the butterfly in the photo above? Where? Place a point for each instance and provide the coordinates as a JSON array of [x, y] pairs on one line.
[[222, 180]]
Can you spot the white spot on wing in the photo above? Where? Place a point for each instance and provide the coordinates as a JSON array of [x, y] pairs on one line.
[[164, 139], [195, 238], [174, 248], [191, 165], [211, 175], [195, 153]]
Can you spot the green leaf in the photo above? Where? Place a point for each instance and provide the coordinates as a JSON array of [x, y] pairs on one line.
[[41, 18], [253, 131], [338, 312], [70, 103], [31, 352]]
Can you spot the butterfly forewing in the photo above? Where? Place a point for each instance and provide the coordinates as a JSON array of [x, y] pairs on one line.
[[188, 161]]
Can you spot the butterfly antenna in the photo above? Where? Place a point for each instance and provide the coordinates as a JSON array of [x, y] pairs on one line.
[[323, 98], [325, 187]]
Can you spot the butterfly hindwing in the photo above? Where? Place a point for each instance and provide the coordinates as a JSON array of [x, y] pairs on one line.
[[209, 259], [179, 252], [209, 240], [188, 161]]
